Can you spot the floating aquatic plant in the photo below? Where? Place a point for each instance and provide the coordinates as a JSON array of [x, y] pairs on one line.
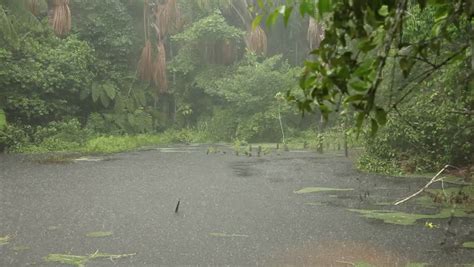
[[321, 189]]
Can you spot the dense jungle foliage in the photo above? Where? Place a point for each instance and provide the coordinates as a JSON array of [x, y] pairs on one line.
[[395, 78]]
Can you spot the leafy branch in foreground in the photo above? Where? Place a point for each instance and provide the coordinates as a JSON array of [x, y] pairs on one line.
[[361, 38]]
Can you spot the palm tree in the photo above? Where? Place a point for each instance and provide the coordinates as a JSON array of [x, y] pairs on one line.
[[164, 17]]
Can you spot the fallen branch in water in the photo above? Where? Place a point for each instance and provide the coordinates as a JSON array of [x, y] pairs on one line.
[[433, 180]]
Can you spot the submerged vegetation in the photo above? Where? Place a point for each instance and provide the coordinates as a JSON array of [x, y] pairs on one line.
[[81, 261]]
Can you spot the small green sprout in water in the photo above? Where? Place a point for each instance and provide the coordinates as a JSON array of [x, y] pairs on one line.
[[99, 234], [431, 225]]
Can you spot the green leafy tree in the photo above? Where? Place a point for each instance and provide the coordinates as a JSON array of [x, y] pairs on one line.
[[362, 37], [249, 90]]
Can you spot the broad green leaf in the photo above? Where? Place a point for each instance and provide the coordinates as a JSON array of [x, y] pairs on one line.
[[140, 97], [366, 45], [287, 14], [359, 85], [84, 94], [96, 91], [271, 19], [365, 68], [109, 90], [324, 6], [256, 22], [381, 116], [360, 119], [374, 127], [383, 11], [104, 99], [354, 98], [307, 7], [3, 119]]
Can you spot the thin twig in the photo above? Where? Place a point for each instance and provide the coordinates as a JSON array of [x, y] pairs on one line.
[[433, 180]]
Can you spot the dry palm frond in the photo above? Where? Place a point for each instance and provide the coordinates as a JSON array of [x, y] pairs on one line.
[[315, 34], [162, 20], [256, 41], [227, 50], [33, 6], [60, 17], [177, 21], [145, 64], [167, 18], [159, 76]]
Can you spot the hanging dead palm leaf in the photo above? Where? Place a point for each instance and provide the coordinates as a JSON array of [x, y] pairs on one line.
[[159, 76], [167, 18], [145, 64], [256, 41], [60, 17], [315, 34], [161, 20], [33, 6], [227, 52], [176, 19]]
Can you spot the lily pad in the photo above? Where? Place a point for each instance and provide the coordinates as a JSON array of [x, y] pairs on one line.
[[307, 190], [227, 235], [5, 240], [99, 234], [402, 218], [469, 244]]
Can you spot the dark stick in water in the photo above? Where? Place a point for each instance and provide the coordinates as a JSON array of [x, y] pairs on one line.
[[177, 206]]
